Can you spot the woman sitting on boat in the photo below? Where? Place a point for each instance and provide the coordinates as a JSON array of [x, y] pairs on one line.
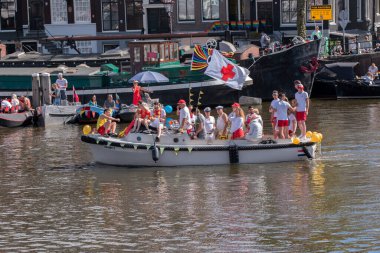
[[157, 120], [6, 106], [25, 104], [368, 78], [255, 127], [93, 101], [106, 124], [141, 118]]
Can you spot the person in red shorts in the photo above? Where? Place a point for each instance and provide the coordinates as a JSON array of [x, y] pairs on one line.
[[237, 122], [282, 107], [302, 111], [273, 115]]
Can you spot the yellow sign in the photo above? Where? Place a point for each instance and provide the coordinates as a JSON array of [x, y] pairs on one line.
[[321, 12]]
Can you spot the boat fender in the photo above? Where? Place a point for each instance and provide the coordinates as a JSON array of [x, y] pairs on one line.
[[307, 153], [234, 154], [155, 153]]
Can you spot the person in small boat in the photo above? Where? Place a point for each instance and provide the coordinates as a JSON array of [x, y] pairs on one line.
[[273, 115], [142, 117], [374, 70], [62, 86], [25, 104], [302, 110], [6, 106], [209, 125], [184, 117], [137, 89], [368, 78], [15, 103], [282, 108], [292, 119], [237, 122], [117, 105], [157, 119], [93, 101], [199, 126], [255, 127], [106, 124], [221, 123], [109, 103]]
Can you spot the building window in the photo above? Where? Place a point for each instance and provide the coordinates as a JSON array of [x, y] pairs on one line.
[[210, 9], [58, 11], [134, 14], [288, 11], [359, 10], [110, 11], [85, 47], [82, 11], [186, 10], [8, 14], [107, 47]]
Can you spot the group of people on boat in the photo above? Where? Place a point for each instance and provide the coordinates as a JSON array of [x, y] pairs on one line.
[[15, 104], [372, 74], [285, 118]]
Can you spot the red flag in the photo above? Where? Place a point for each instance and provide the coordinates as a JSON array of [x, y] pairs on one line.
[[75, 96]]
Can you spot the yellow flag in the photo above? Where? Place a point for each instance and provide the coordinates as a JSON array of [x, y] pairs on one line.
[[176, 150], [190, 149], [201, 93], [199, 103]]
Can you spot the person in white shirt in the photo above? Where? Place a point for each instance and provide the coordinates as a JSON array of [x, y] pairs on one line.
[[374, 70], [184, 116], [316, 34], [255, 127], [237, 122], [282, 116], [209, 125], [62, 86], [6, 106], [15, 103], [274, 113], [302, 110], [368, 78]]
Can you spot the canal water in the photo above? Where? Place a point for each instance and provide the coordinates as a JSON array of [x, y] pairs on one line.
[[53, 198]]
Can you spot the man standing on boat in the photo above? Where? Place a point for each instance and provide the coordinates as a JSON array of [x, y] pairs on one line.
[[62, 86], [184, 116], [302, 110]]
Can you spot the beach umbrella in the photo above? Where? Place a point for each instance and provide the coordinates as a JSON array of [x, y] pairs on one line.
[[149, 77]]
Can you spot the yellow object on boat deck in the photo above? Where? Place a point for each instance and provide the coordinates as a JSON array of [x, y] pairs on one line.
[[87, 129]]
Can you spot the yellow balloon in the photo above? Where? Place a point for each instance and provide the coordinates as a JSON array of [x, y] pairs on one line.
[[296, 140], [321, 135], [315, 137], [87, 129], [309, 134]]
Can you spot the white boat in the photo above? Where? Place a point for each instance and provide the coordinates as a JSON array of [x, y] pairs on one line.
[[140, 149], [52, 115]]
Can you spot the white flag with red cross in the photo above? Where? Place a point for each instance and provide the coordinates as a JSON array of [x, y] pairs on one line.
[[224, 70]]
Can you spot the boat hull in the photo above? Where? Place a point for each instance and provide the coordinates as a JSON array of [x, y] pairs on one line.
[[15, 119], [356, 90], [278, 71], [113, 152], [53, 115]]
